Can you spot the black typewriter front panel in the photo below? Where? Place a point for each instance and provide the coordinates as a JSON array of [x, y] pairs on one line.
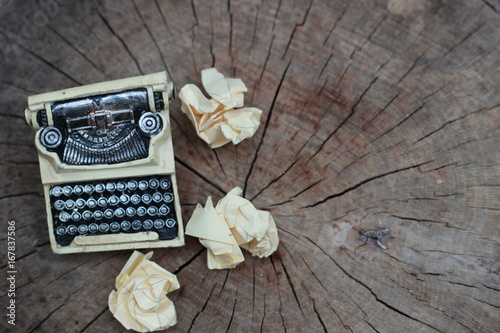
[[127, 205]]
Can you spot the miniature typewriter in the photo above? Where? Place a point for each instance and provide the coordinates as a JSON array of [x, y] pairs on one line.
[[107, 165]]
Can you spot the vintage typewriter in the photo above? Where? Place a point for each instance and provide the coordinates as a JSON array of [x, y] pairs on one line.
[[107, 165]]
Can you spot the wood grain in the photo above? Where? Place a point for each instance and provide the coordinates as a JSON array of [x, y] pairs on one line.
[[377, 114]]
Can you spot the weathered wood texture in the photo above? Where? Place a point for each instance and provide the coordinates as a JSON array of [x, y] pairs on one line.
[[376, 113]]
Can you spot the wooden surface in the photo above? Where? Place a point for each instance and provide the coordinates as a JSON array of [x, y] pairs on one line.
[[378, 115]]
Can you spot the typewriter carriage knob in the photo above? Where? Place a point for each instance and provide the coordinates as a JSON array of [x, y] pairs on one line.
[[51, 137], [150, 124]]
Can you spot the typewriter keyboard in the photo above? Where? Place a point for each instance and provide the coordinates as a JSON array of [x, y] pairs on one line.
[[114, 206]]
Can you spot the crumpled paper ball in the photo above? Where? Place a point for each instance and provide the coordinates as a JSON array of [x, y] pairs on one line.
[[222, 118], [140, 302]]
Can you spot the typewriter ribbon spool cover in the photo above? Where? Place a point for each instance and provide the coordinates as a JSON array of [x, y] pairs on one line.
[[107, 165]]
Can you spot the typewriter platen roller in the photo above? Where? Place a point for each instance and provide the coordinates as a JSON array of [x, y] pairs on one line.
[[107, 165]]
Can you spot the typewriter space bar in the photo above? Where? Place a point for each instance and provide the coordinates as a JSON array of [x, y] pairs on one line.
[[116, 239]]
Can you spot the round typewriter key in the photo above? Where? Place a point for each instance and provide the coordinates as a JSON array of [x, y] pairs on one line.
[[76, 216], [147, 224], [67, 190], [130, 211], [80, 203], [98, 215], [126, 225], [143, 185], [61, 230], [120, 212], [109, 213], [59, 204], [141, 211], [146, 198], [91, 203], [64, 216], [157, 197], [159, 224], [154, 183], [121, 186], [99, 188], [113, 200], [170, 223], [152, 211], [164, 183], [56, 191], [132, 185], [72, 229], [103, 227], [124, 199], [93, 227], [78, 189], [135, 199], [83, 228], [102, 202], [69, 204], [110, 187], [164, 210], [136, 225], [114, 226], [89, 188], [87, 215], [168, 197]]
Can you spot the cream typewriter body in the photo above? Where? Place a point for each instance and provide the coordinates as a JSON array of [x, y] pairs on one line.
[[107, 165]]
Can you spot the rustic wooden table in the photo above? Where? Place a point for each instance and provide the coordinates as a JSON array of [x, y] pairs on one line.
[[377, 114]]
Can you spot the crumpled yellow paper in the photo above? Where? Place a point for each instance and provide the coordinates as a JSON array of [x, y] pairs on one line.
[[233, 222], [211, 228], [140, 302], [222, 118]]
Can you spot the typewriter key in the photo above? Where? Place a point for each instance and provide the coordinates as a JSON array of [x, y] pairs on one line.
[[56, 191], [69, 204], [72, 229], [152, 211], [103, 227], [83, 228], [130, 211], [67, 190], [99, 188], [114, 226], [153, 184], [143, 185], [59, 204], [61, 230], [93, 227], [64, 216], [135, 199], [164, 210], [159, 224], [78, 189], [168, 197], [98, 215], [141, 211], [170, 223], [146, 198], [136, 225], [109, 213], [147, 224], [132, 185], [120, 212], [124, 199], [113, 200], [91, 203], [126, 225], [164, 183], [76, 216], [121, 186], [102, 202], [80, 203], [88, 189], [87, 215], [157, 197], [110, 187]]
